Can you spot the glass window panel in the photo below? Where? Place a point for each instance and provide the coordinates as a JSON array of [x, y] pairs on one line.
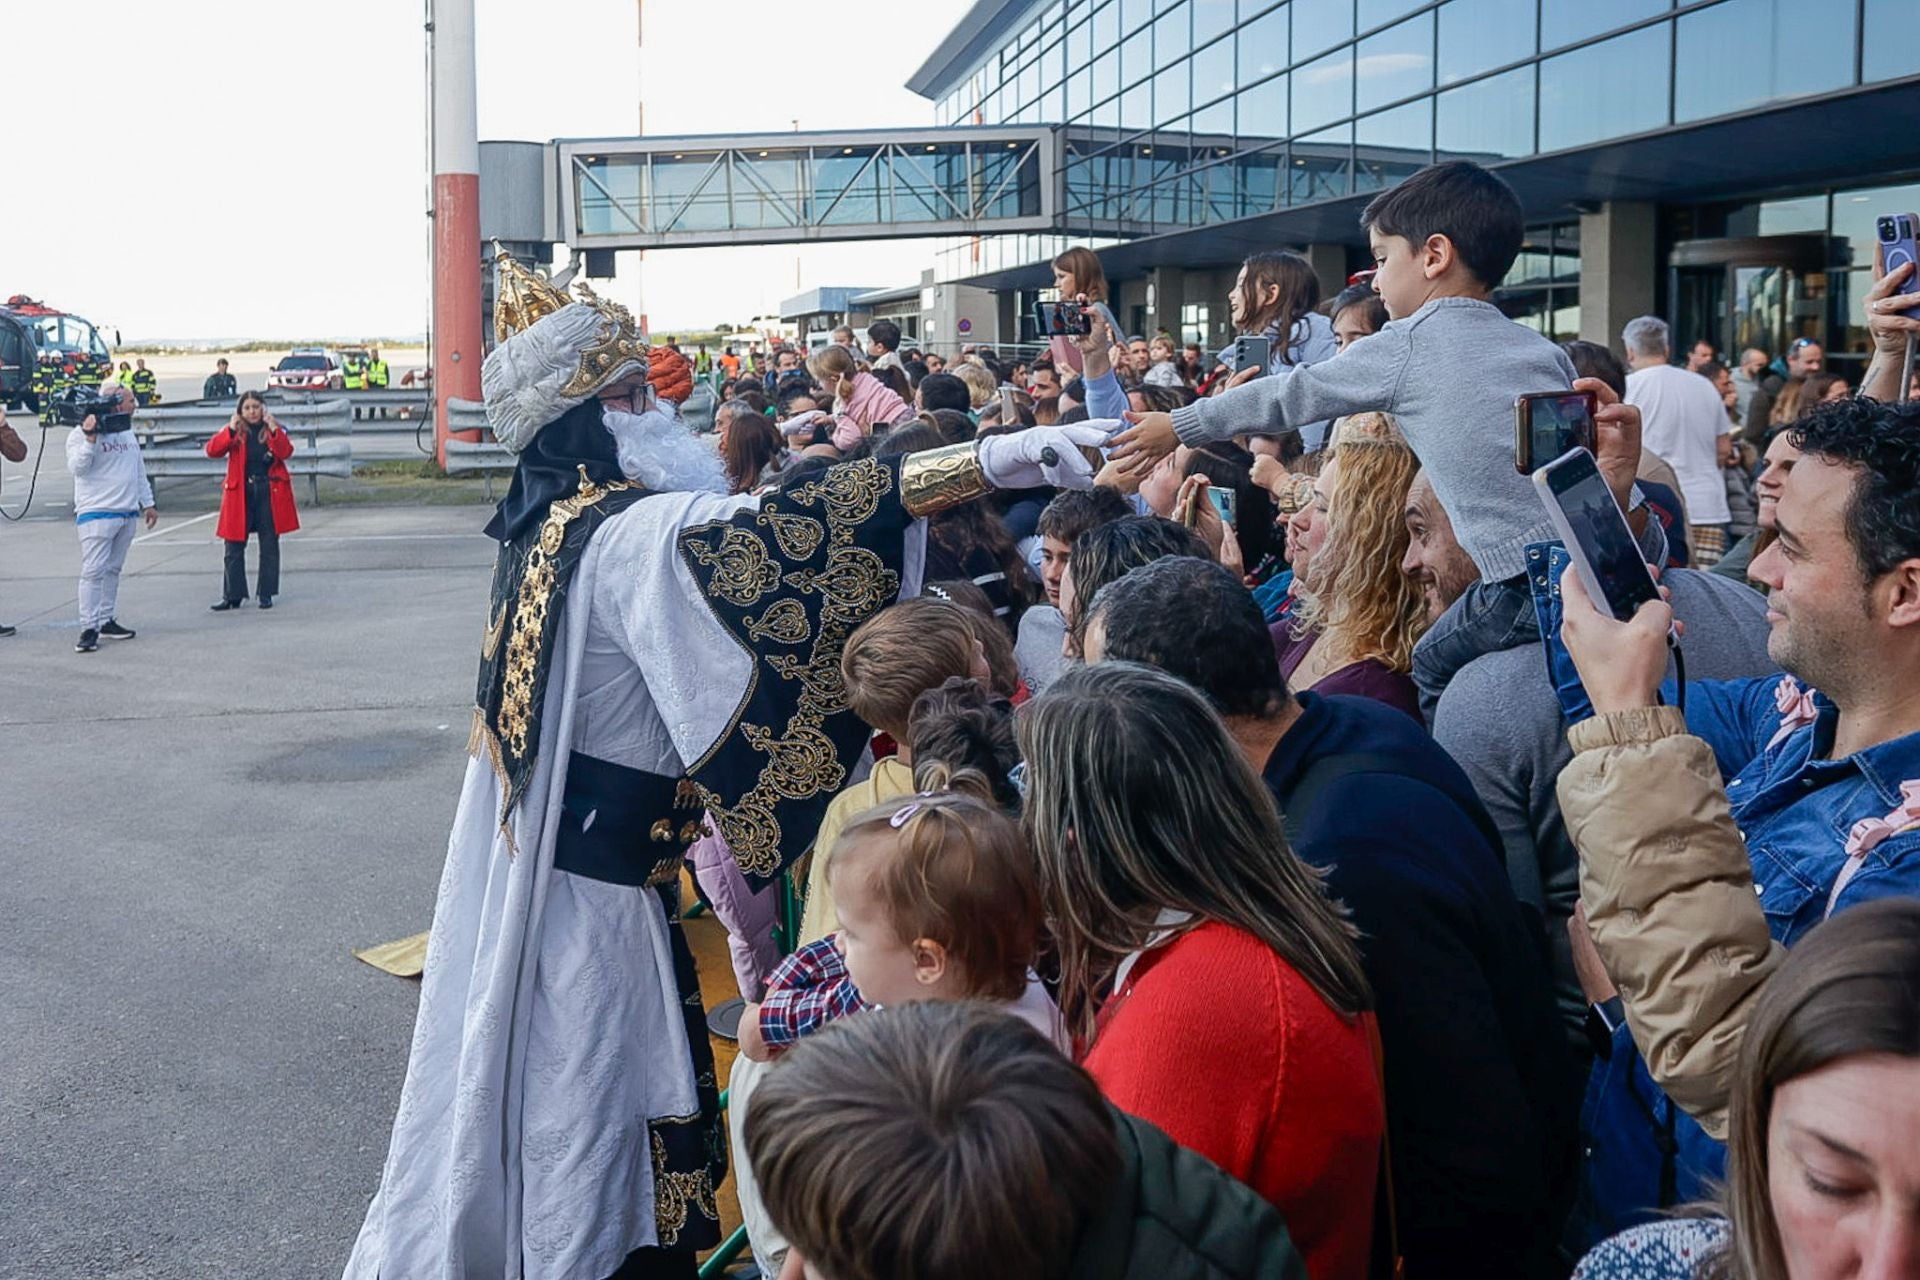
[[1606, 90], [607, 196], [1389, 145], [1489, 119], [1375, 12], [1323, 90], [1052, 106], [1029, 83], [1564, 21], [1263, 46], [1259, 179], [1106, 74], [1078, 93], [1395, 64], [1172, 33], [1171, 95], [1080, 46], [1476, 35], [1322, 164], [1888, 40], [1213, 71], [1320, 24], [846, 190], [1263, 113], [1854, 213], [1213, 124], [1136, 106], [1136, 55], [1746, 52], [1053, 63], [1106, 115], [1211, 18], [1784, 217], [1106, 28]]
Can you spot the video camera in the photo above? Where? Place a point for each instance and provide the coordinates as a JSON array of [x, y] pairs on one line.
[[72, 405]]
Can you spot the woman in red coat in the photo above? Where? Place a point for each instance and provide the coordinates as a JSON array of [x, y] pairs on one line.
[[258, 497], [1212, 987]]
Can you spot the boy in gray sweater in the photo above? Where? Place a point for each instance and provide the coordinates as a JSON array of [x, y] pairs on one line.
[[1448, 365]]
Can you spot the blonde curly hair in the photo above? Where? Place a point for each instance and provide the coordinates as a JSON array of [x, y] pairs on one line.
[[981, 384], [1355, 590]]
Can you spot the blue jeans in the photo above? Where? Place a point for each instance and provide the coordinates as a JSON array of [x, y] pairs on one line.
[[1488, 618]]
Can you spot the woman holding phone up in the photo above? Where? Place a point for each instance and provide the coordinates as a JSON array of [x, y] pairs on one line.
[[258, 497]]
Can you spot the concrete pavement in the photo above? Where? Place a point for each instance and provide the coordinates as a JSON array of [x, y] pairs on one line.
[[196, 1078]]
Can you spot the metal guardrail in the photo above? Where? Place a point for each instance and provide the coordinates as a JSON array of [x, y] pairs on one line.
[[485, 455], [173, 439]]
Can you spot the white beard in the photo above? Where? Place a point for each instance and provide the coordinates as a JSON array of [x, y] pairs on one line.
[[656, 450]]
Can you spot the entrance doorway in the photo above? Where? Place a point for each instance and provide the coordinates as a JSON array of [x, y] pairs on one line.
[[1749, 291]]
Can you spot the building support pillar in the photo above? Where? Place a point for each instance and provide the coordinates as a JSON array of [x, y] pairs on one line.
[[1618, 270], [1169, 286], [1329, 263]]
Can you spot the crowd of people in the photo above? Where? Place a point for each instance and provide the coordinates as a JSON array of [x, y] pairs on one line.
[[1226, 843]]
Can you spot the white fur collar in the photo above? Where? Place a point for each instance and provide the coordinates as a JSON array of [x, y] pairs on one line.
[[657, 450]]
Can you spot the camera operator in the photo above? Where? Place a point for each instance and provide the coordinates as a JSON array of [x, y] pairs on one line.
[[13, 449], [110, 489]]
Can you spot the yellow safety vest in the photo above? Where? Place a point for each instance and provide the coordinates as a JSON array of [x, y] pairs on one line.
[[376, 373]]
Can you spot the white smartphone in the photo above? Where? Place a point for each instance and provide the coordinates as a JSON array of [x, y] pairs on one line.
[[1596, 534]]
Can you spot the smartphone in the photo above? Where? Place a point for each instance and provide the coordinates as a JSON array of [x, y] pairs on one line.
[[1222, 499], [1062, 319], [1252, 353], [1548, 423], [1596, 534], [1896, 233]]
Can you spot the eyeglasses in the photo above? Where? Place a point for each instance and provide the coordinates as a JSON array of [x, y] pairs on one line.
[[1802, 342]]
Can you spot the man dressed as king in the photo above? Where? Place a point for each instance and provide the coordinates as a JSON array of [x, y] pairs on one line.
[[656, 651]]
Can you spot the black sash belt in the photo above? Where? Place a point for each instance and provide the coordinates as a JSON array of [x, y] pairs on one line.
[[624, 826]]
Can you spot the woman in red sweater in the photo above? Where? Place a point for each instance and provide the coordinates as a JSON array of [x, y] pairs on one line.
[[1213, 987]]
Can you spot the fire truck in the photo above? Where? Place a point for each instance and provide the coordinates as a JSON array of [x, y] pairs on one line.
[[65, 349]]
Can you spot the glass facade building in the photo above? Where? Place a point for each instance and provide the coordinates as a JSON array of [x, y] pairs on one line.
[[1181, 115]]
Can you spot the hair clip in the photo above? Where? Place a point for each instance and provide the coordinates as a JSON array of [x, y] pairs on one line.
[[940, 592], [905, 815]]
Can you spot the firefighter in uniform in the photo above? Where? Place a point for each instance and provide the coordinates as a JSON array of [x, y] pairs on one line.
[[145, 387], [377, 374]]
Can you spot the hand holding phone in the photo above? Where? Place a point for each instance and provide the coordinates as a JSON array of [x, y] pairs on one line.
[[1897, 243], [1596, 534], [1548, 423], [1254, 353], [1063, 319], [1621, 664]]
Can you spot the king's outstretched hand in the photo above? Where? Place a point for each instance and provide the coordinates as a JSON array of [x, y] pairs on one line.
[[1044, 456]]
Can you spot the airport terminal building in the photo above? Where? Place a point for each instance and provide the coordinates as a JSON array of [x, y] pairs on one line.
[[1719, 162]]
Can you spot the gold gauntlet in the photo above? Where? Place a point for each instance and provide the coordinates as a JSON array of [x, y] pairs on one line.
[[936, 479]]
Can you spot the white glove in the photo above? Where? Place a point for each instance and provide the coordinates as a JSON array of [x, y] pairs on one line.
[[1041, 456]]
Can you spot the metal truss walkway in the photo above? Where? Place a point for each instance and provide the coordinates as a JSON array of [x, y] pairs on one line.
[[795, 187], [782, 188]]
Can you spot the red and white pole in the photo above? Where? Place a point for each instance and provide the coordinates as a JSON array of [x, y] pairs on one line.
[[458, 344]]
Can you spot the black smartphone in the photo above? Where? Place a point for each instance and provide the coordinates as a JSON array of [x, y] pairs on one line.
[[1596, 534], [1062, 319], [1252, 353], [1897, 233], [1548, 423]]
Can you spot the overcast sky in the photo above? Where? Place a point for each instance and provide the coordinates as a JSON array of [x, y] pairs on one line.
[[258, 168]]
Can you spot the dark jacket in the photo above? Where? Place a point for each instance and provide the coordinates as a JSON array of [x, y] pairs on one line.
[[1480, 1108], [1174, 1216]]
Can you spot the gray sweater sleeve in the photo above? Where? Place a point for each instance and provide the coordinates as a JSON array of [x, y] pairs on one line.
[[1364, 376]]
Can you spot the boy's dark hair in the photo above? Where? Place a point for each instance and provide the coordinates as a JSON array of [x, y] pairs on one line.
[[1076, 414], [886, 333], [1074, 511], [1594, 360], [1075, 389], [934, 1140], [956, 425], [1107, 552], [1196, 621], [1881, 442], [1003, 668], [792, 387], [944, 391], [1160, 399], [1469, 205], [962, 740], [896, 382], [900, 653]]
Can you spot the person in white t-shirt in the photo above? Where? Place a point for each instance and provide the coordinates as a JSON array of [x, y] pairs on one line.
[[1684, 422]]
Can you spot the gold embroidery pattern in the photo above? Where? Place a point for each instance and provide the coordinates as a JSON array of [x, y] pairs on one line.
[[799, 536], [529, 609], [854, 582], [935, 479], [677, 1195], [743, 571], [490, 642], [785, 622]]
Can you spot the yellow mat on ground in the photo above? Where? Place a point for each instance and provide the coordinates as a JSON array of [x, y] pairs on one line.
[[403, 958]]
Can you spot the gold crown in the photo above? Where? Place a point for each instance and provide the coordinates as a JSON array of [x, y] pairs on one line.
[[618, 345], [520, 296]]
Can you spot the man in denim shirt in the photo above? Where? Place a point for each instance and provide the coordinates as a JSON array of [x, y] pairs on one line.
[[1824, 786]]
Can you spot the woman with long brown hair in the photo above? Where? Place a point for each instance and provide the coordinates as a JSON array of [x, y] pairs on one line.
[[1823, 1148], [749, 443], [1355, 615], [1210, 984]]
